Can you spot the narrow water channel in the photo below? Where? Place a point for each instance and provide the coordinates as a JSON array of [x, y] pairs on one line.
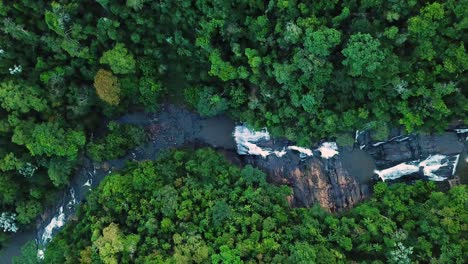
[[172, 127]]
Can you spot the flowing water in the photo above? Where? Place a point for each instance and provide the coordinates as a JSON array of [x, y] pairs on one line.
[[174, 126]]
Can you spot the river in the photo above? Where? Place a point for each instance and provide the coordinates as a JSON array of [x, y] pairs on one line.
[[174, 126]]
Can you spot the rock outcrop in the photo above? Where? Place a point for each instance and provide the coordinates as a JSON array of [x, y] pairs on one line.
[[314, 181], [411, 147], [333, 183]]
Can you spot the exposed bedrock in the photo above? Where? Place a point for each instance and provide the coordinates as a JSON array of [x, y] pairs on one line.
[[343, 180], [314, 181], [407, 148]]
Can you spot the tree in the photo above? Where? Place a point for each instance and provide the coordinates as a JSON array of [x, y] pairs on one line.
[[9, 189], [27, 211], [150, 92], [302, 253], [209, 103], [107, 87], [7, 222], [322, 41], [21, 97], [363, 55], [115, 144], [28, 254], [220, 68], [59, 170], [110, 244], [52, 140], [113, 245], [119, 60]]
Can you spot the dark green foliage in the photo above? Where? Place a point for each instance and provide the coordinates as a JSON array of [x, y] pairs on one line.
[[304, 69], [28, 254], [116, 142], [207, 102], [306, 72], [119, 60], [344, 140], [195, 207]]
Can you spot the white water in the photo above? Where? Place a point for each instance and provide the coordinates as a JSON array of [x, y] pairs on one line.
[[402, 139], [248, 144], [429, 167], [56, 223], [88, 183], [432, 164], [246, 140], [72, 201], [280, 153], [303, 152], [244, 134], [358, 133], [40, 254], [397, 171], [328, 150], [455, 164]]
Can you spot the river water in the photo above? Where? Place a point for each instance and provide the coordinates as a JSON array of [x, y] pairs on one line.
[[174, 126]]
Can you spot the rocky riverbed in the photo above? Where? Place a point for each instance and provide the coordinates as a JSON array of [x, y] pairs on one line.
[[325, 174], [340, 181]]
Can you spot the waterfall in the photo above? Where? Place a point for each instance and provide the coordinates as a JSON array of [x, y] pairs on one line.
[[303, 152], [428, 167], [328, 150], [249, 143]]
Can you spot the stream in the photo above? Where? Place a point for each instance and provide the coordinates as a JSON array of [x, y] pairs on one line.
[[173, 126]]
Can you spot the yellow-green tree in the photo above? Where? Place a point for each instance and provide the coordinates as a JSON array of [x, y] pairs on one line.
[[107, 87]]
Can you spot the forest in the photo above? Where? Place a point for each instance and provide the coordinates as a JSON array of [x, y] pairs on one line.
[[194, 207], [307, 70]]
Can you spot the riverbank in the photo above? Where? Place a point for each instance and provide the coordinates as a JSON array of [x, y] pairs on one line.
[[335, 180]]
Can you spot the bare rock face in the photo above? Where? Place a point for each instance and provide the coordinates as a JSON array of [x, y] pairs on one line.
[[335, 184], [405, 148], [314, 181]]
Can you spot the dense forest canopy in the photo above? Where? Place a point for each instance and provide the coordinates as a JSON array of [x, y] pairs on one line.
[[194, 207], [304, 69]]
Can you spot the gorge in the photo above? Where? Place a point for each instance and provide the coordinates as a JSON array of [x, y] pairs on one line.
[[332, 176]]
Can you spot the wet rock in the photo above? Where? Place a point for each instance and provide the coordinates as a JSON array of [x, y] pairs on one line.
[[346, 179], [411, 147], [314, 181]]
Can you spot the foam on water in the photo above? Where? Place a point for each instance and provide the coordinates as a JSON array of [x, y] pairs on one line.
[[328, 149], [358, 133], [88, 183], [432, 164], [428, 166], [253, 149], [402, 139], [40, 254], [246, 140], [397, 171], [455, 164], [244, 134], [280, 153], [247, 144], [56, 223], [303, 152], [72, 201]]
